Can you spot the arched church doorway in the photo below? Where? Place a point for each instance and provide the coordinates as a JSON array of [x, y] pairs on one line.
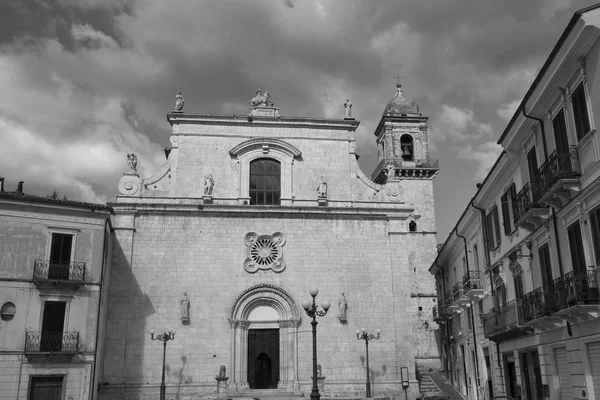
[[264, 321]]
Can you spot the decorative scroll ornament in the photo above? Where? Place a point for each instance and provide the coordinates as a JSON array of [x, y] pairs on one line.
[[264, 252]]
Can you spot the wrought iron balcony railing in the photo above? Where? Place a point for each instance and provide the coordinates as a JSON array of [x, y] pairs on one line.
[[45, 270], [576, 288], [559, 165], [51, 342], [523, 202], [457, 291], [538, 303], [471, 281], [502, 325]]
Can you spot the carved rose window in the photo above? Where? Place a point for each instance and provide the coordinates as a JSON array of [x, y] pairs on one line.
[[264, 252]]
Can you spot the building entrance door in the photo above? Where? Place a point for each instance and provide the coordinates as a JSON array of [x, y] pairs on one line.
[[263, 358]]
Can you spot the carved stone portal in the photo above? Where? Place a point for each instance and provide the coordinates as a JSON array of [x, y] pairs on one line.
[[264, 252]]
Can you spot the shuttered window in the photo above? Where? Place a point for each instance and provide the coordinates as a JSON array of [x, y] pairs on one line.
[[580, 112], [593, 350], [46, 388], [518, 281], [576, 247], [565, 382], [507, 200], [545, 266], [493, 228], [595, 227]]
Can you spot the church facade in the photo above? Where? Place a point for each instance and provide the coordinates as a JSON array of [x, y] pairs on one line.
[[246, 215]]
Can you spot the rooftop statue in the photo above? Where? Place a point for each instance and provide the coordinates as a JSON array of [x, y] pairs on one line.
[[132, 163], [261, 100], [179, 102], [347, 109]]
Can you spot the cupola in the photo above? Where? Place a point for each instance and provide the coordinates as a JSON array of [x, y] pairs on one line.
[[400, 105]]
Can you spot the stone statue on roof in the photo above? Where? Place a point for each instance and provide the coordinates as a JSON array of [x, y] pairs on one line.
[[132, 163], [179, 102], [347, 109], [261, 100]]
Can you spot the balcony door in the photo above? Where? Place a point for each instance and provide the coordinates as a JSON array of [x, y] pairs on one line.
[[53, 321], [60, 256]]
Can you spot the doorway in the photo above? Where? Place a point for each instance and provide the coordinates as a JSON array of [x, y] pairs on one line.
[[53, 321], [263, 358]]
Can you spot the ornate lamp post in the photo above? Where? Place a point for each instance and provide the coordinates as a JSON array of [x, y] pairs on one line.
[[362, 334], [163, 337], [312, 311]]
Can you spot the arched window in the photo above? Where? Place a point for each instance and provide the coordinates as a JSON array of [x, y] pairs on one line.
[[406, 144], [265, 182]]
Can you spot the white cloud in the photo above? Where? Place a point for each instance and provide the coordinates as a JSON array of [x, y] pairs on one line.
[[484, 155], [460, 124], [507, 110], [89, 36]]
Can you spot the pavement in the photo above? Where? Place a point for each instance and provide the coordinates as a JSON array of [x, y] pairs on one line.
[[445, 387]]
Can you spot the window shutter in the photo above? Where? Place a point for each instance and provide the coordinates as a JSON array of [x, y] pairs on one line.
[[505, 214], [560, 132], [580, 113], [496, 225], [595, 233], [545, 267], [489, 231]]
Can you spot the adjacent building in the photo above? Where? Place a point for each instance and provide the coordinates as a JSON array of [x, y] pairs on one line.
[[517, 278], [54, 265], [246, 215]]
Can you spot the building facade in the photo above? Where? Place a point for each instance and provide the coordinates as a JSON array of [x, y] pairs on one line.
[[517, 279], [246, 215], [54, 264]]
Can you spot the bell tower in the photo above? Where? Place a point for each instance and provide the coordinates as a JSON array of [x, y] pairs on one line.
[[403, 150]]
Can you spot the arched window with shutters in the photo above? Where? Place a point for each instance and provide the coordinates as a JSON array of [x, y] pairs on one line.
[[265, 182]]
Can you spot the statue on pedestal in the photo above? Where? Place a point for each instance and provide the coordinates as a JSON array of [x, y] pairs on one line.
[[343, 308], [209, 183], [132, 163], [322, 188]]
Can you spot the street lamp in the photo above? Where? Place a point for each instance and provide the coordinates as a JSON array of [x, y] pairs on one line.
[[362, 334], [163, 337], [312, 311]]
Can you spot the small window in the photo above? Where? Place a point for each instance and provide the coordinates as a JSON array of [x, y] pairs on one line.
[[265, 182], [412, 226], [8, 311], [580, 112]]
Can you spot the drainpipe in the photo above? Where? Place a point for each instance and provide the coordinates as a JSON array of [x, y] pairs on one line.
[[472, 319], [542, 128]]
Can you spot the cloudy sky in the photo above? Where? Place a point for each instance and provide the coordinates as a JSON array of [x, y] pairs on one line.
[[83, 82]]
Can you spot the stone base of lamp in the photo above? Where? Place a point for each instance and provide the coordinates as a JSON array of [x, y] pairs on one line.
[[320, 384]]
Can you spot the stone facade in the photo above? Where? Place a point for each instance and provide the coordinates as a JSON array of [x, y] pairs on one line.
[[372, 242]]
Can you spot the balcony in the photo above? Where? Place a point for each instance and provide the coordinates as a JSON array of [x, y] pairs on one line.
[[51, 343], [536, 309], [501, 326], [558, 178], [451, 307], [472, 286], [577, 296], [459, 297], [53, 273], [528, 214], [420, 169]]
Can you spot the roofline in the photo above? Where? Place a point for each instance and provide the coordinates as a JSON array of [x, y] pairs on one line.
[[545, 67], [29, 198]]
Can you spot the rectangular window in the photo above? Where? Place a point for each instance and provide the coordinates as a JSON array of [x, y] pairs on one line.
[[560, 133], [545, 266], [508, 199], [60, 256], [53, 321], [576, 247], [500, 296], [475, 257], [580, 112], [518, 281], [45, 388], [470, 318], [533, 173], [595, 228], [493, 228]]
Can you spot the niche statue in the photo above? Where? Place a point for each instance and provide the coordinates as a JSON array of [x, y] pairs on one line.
[[184, 304]]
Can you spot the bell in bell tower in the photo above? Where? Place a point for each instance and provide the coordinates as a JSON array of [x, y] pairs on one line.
[[402, 142]]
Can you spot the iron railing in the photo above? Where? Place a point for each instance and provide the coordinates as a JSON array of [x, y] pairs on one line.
[[62, 271], [457, 290], [538, 303], [559, 165], [523, 202], [418, 164], [471, 280], [55, 342], [448, 300], [497, 321], [576, 288]]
